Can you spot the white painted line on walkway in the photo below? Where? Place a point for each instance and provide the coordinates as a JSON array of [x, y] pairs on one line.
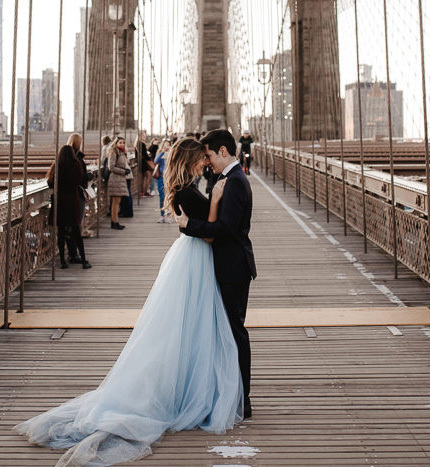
[[349, 256], [360, 267], [287, 208]]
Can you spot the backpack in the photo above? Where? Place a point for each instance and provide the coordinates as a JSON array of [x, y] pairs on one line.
[[104, 171]]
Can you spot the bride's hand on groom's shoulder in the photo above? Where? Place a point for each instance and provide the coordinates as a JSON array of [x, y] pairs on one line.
[[218, 190], [182, 219]]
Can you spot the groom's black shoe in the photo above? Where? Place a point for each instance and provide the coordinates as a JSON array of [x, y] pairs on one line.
[[247, 409]]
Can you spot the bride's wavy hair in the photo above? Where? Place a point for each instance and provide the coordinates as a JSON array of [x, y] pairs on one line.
[[180, 171]]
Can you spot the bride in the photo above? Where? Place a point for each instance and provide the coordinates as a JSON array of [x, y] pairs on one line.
[[179, 369]]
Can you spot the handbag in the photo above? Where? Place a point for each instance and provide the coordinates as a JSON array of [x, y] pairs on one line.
[[89, 193], [104, 170], [156, 173]]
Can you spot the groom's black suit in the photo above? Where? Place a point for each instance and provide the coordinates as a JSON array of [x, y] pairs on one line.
[[233, 258]]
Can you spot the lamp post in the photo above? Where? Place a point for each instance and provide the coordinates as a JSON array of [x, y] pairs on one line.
[[264, 77], [184, 96], [114, 15]]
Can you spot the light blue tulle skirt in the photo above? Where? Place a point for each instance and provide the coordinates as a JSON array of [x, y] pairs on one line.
[[178, 371]]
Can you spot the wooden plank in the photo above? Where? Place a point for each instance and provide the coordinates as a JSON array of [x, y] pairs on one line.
[[58, 334], [294, 271], [316, 401], [256, 317]]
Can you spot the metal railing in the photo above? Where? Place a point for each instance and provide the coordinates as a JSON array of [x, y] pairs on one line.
[[38, 233], [413, 249]]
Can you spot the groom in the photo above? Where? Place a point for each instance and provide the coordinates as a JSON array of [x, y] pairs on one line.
[[233, 256]]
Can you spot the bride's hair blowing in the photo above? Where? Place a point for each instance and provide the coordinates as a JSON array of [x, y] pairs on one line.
[[180, 171]]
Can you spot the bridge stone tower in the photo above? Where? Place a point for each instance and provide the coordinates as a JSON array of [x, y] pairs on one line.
[[212, 109], [315, 69], [118, 22]]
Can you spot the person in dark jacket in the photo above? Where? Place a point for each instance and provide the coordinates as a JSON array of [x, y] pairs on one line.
[[68, 205], [146, 165], [75, 141]]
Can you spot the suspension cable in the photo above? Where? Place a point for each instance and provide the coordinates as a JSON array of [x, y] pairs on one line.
[[426, 139], [84, 97], [145, 39], [10, 176], [342, 155], [24, 188], [390, 138], [102, 108], [57, 141], [360, 119]]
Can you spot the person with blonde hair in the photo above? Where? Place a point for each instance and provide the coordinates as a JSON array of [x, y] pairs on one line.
[[117, 183], [179, 369]]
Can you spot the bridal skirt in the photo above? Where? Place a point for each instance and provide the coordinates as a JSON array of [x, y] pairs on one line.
[[178, 371]]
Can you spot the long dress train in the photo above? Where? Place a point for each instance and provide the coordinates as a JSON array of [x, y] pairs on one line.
[[179, 370]]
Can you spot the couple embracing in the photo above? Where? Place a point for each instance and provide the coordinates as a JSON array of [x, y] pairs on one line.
[[187, 361]]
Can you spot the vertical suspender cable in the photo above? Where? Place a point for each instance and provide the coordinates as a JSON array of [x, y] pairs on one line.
[[363, 190], [10, 177], [102, 116], [339, 101], [272, 76], [284, 174], [312, 97], [139, 128], [24, 188], [115, 71], [160, 56], [126, 72], [84, 97], [390, 137], [298, 129], [426, 139], [142, 84], [57, 141], [324, 100], [152, 74], [296, 90]]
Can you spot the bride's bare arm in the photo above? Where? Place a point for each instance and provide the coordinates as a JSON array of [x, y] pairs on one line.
[[217, 193]]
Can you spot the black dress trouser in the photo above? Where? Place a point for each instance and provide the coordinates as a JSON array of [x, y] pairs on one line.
[[235, 298], [72, 236]]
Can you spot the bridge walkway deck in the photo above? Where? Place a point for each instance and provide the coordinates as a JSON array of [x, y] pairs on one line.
[[355, 395]]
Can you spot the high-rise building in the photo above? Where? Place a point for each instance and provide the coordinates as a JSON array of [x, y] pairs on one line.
[[374, 108], [49, 100], [35, 103], [79, 74], [3, 118], [282, 96]]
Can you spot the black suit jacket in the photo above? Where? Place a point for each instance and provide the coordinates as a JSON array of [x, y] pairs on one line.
[[233, 255]]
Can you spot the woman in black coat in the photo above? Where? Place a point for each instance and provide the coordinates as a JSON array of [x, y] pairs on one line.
[[68, 206], [75, 141]]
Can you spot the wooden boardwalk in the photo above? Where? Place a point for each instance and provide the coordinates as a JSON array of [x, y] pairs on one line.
[[348, 396], [295, 270], [352, 396]]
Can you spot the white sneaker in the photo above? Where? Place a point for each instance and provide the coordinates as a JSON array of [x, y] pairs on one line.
[[168, 220], [161, 220], [152, 192]]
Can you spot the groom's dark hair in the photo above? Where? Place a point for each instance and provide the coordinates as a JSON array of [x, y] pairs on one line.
[[217, 138]]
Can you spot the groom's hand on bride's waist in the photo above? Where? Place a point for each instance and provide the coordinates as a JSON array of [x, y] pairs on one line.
[[181, 220]]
